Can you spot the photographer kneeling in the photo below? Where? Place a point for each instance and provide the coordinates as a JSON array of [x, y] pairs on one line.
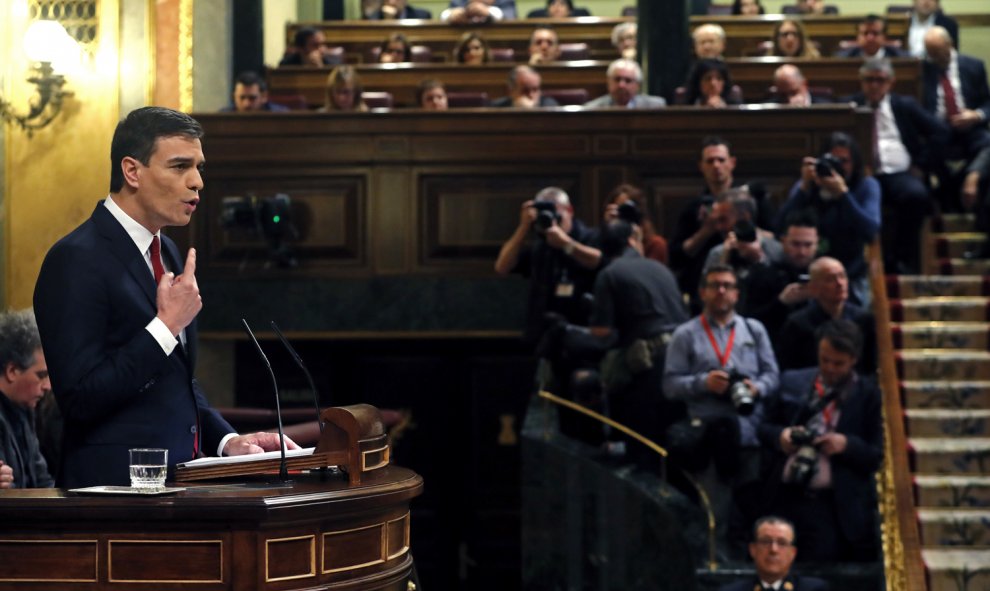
[[825, 433]]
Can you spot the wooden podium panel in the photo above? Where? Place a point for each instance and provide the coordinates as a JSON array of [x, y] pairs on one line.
[[313, 533]]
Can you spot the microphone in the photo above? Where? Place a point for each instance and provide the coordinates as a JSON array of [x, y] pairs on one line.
[[302, 366], [283, 470]]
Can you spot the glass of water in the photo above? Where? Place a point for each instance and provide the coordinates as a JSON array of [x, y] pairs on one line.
[[148, 466]]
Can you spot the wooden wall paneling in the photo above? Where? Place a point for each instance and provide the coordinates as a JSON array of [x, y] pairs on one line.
[[393, 218]]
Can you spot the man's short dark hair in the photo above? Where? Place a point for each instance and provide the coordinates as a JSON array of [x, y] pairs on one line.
[[303, 36], [716, 268], [19, 339], [137, 134], [715, 140], [251, 78], [873, 18], [615, 237], [773, 519], [801, 218], [543, 28], [843, 335]]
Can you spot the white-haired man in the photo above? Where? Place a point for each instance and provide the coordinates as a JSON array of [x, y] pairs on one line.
[[624, 79]]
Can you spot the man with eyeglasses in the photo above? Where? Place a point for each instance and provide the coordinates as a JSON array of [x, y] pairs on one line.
[[525, 90], [712, 359], [624, 78], [544, 46], [773, 551]]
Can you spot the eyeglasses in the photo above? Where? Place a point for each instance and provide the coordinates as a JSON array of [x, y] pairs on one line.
[[780, 542], [716, 285], [787, 34], [875, 79]]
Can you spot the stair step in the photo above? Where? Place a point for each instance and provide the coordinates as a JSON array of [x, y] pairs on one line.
[[954, 527], [960, 245], [940, 309], [939, 422], [942, 364], [951, 491], [945, 394], [953, 222], [915, 286], [961, 266], [968, 455], [942, 335], [957, 570]]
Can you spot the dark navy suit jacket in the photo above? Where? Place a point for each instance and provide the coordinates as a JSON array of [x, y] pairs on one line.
[[115, 386], [857, 51], [975, 93], [798, 583], [924, 136], [408, 12]]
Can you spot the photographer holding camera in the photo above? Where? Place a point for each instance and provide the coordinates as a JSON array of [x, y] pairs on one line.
[[824, 430], [560, 263], [744, 245]]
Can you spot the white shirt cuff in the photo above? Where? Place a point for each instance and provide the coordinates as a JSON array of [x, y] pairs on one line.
[[162, 334], [223, 443]]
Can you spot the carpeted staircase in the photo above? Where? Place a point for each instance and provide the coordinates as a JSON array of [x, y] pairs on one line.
[[941, 333]]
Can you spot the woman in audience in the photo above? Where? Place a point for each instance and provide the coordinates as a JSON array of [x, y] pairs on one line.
[[847, 203], [747, 7], [472, 50], [558, 9], [395, 49], [654, 245], [624, 39], [344, 91], [709, 84], [431, 95], [790, 40]]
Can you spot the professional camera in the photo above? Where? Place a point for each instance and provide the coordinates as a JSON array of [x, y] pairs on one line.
[[828, 163], [805, 463], [740, 394], [745, 231], [546, 215], [628, 212]]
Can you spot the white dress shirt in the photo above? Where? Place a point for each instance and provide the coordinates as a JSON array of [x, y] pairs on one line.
[[894, 157]]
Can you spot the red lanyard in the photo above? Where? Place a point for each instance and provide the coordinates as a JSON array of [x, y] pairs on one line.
[[723, 358], [827, 411]]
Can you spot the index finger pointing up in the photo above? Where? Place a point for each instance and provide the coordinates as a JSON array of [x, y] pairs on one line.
[[190, 268]]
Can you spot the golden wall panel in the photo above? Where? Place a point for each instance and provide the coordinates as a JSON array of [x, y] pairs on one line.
[[289, 559]]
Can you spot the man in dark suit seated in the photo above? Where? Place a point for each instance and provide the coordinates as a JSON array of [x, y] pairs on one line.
[[251, 94], [525, 90], [479, 11], [909, 140], [308, 49], [773, 550], [398, 9], [871, 41], [116, 308], [792, 87], [824, 434], [956, 91], [558, 9], [925, 15]]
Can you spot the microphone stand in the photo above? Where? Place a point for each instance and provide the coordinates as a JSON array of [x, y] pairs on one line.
[[283, 470]]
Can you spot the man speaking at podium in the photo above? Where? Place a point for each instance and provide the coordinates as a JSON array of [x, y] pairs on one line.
[[116, 306]]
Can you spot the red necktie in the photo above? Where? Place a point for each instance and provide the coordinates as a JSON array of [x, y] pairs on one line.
[[949, 95], [156, 259]]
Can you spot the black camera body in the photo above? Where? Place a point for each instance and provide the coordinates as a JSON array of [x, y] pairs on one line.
[[546, 215], [628, 212], [826, 164], [805, 464], [740, 394]]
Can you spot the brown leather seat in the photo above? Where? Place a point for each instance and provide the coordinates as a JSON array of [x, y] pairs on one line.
[[457, 100]]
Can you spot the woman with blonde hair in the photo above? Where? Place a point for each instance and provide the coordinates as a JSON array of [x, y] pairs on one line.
[[344, 91], [472, 50], [790, 40]]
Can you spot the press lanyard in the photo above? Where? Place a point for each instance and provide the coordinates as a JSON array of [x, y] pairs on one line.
[[723, 358], [827, 411]]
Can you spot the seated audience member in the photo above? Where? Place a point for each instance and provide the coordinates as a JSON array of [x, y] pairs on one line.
[[623, 78], [773, 549], [792, 87], [544, 46], [344, 91], [525, 90], [558, 9], [744, 245], [871, 41], [431, 95], [846, 202], [565, 252], [715, 362], [709, 84], [814, 7], [251, 94], [398, 9], [637, 307], [773, 291], [709, 42], [308, 49], [395, 49], [478, 11], [825, 486], [472, 50], [747, 8], [909, 140], [624, 40], [956, 91], [654, 245], [828, 288], [23, 383], [926, 14], [790, 40]]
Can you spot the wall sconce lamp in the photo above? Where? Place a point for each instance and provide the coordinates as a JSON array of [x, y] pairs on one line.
[[45, 42]]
